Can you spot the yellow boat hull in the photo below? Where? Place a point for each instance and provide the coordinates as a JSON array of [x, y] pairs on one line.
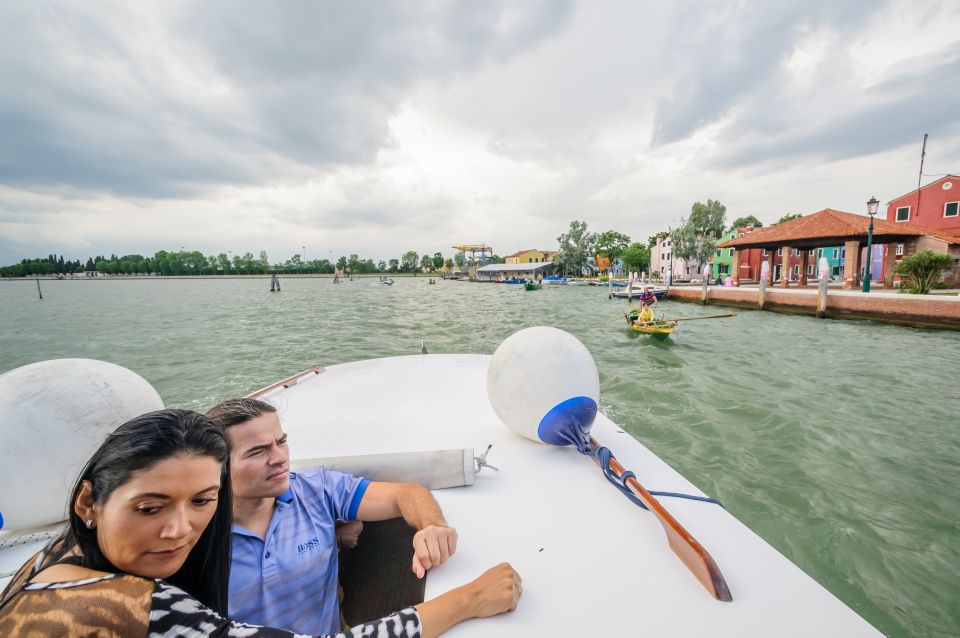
[[661, 329]]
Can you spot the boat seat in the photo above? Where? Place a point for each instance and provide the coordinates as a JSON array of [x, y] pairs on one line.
[[376, 576]]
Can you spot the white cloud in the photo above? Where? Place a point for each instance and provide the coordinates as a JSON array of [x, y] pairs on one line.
[[375, 129]]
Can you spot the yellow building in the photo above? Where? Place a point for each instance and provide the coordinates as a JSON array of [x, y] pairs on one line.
[[531, 256]]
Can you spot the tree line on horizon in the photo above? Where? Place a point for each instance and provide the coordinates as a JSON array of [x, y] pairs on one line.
[[187, 263], [695, 238]]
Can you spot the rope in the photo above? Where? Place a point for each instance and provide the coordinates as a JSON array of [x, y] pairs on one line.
[[620, 482], [481, 461]]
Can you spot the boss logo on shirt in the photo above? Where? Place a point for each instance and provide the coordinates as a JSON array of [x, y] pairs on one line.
[[310, 545]]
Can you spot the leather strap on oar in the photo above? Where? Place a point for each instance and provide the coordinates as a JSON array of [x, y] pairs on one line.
[[684, 545]]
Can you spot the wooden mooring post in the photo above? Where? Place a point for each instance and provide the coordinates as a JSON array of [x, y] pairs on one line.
[[822, 297], [762, 293], [38, 289], [703, 292]]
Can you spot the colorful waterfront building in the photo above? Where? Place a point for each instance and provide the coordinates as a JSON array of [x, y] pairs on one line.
[[749, 259], [531, 256], [935, 206], [662, 258], [791, 247]]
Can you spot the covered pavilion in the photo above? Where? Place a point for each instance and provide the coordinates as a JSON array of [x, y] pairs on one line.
[[829, 228]]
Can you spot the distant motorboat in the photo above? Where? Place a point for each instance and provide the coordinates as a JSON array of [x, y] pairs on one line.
[[386, 282], [554, 281]]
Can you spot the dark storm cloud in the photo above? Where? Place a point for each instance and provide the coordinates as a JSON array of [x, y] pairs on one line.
[[896, 112], [93, 100], [730, 67]]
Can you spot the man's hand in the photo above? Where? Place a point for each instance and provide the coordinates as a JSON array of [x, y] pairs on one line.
[[348, 533], [432, 546]]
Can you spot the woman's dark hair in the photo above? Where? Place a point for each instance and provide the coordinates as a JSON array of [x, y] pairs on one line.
[[237, 411], [138, 445]]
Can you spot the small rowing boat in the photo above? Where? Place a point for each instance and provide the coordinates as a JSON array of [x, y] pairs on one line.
[[529, 286], [658, 329]]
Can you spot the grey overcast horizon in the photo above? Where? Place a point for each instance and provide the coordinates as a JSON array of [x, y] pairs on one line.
[[380, 127]]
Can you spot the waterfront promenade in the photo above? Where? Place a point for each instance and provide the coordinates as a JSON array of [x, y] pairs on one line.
[[927, 311]]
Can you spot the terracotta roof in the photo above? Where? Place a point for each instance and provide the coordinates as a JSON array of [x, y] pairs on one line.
[[829, 228], [524, 252]]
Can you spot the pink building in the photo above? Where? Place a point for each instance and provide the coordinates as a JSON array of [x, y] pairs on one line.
[[661, 258]]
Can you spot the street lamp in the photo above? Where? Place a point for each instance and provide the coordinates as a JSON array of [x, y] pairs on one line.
[[871, 210]]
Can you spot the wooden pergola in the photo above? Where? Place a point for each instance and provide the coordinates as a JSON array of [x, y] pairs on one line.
[[829, 228]]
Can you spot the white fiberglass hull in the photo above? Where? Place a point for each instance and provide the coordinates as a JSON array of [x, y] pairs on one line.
[[592, 562]]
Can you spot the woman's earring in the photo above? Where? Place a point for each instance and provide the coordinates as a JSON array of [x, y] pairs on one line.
[[89, 523]]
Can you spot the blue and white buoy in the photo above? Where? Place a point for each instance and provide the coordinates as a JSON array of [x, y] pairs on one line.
[[543, 384]]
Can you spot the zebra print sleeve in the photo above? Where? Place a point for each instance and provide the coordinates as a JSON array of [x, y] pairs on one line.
[[173, 612]]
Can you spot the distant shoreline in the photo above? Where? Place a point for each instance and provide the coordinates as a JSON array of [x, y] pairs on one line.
[[182, 277]]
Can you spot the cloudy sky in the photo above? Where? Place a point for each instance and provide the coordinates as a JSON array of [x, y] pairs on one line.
[[380, 127]]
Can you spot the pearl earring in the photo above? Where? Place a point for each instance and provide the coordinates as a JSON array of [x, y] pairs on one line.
[[89, 523]]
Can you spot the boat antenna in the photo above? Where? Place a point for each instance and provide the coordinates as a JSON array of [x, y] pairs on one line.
[[923, 154]]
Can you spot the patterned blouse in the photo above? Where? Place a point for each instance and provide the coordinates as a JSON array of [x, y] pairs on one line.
[[121, 605]]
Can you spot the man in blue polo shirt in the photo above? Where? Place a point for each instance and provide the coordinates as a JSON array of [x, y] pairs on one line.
[[284, 570]]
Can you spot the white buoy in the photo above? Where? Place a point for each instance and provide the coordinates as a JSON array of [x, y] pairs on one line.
[[543, 384], [55, 414]]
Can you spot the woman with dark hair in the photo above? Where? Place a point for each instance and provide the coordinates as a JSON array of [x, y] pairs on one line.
[[147, 550]]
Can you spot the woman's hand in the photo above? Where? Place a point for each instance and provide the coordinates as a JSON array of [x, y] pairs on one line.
[[496, 590]]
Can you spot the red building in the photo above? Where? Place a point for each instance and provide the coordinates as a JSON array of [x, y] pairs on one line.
[[936, 206], [751, 260]]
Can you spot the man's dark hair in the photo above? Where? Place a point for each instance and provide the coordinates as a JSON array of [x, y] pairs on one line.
[[237, 411]]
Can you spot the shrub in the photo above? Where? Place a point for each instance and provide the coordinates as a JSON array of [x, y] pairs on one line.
[[922, 270]]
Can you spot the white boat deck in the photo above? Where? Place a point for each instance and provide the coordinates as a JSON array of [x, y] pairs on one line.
[[592, 563]]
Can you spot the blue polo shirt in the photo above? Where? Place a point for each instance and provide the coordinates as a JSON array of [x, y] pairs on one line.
[[289, 579]]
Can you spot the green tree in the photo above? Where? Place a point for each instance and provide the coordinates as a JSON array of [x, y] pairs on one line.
[[223, 263], [612, 244], [448, 263], [426, 263], [353, 263], [708, 220], [394, 265], [381, 265], [437, 261], [689, 244], [653, 239], [746, 220], [789, 217], [264, 265], [410, 260], [342, 263], [576, 247], [922, 270], [458, 259], [636, 257]]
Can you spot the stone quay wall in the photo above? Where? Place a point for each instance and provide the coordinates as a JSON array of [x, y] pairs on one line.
[[926, 311]]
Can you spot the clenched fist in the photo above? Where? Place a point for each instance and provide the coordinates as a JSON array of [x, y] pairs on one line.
[[432, 546]]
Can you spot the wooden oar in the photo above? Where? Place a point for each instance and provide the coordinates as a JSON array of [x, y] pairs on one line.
[[732, 314], [684, 545]]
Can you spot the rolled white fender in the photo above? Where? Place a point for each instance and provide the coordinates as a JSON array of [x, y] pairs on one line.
[[434, 469], [55, 414]]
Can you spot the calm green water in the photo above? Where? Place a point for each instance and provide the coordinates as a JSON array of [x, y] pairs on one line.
[[838, 442]]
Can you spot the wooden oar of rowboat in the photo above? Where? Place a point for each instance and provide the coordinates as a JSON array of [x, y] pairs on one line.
[[732, 314], [694, 555]]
